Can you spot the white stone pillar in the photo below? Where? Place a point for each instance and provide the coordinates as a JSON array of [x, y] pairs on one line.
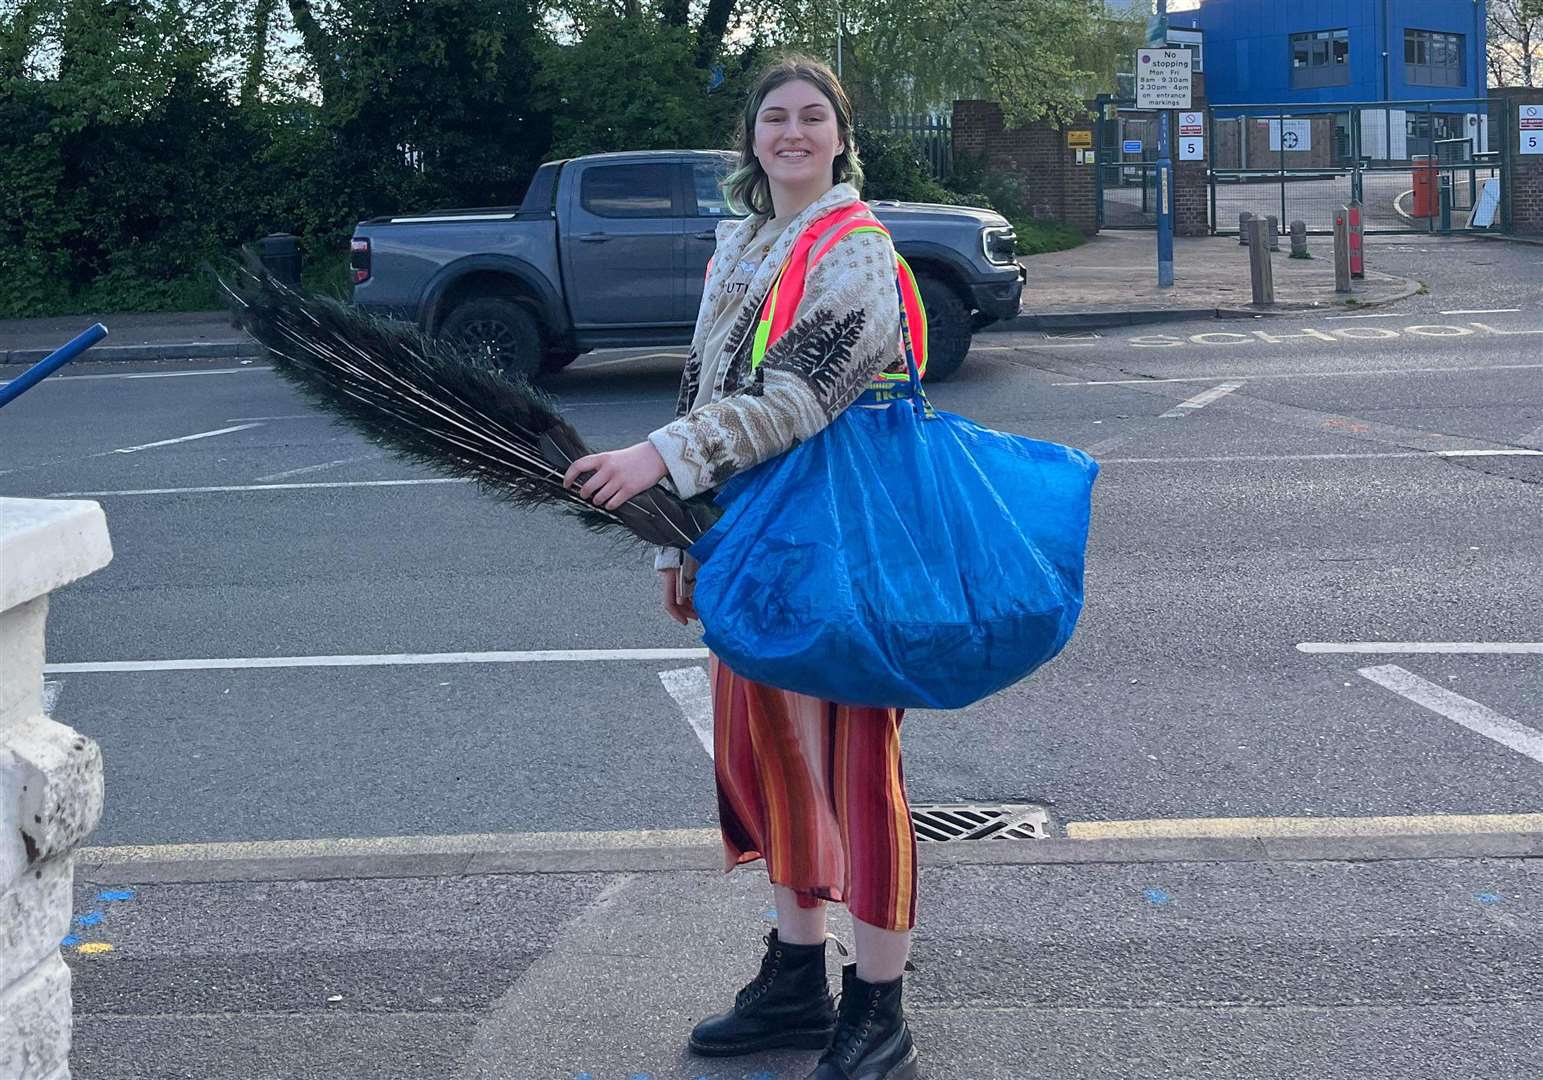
[[50, 784]]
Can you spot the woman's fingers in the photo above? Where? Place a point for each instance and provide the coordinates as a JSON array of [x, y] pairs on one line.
[[588, 463], [670, 581]]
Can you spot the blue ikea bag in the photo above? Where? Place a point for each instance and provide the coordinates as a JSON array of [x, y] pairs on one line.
[[903, 557]]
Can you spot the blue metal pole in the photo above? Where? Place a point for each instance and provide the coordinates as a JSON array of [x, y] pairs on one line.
[[1164, 204], [50, 364]]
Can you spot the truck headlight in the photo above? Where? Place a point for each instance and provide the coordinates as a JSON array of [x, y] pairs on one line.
[[998, 243]]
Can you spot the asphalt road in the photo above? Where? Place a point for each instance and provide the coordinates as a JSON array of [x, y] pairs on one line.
[[1319, 501]]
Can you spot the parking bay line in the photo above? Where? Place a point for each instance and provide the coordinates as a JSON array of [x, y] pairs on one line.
[[1477, 718], [236, 663]]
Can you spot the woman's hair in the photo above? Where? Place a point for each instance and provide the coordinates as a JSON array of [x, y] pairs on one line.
[[748, 189]]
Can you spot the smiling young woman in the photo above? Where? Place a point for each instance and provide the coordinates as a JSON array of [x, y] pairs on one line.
[[814, 787]]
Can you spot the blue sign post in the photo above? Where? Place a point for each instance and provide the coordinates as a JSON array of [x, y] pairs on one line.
[[1164, 203]]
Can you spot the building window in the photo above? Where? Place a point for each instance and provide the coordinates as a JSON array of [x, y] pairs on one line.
[[1320, 58], [1432, 58]]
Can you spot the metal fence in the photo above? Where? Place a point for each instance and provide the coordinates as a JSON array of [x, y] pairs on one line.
[[1125, 152], [933, 136], [1403, 160]]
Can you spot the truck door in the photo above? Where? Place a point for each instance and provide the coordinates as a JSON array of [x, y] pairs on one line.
[[622, 248], [705, 207]]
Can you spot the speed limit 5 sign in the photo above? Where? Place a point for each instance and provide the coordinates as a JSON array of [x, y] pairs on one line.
[[1529, 125]]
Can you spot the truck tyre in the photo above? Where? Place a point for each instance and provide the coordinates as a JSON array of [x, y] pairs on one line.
[[500, 330], [948, 327]]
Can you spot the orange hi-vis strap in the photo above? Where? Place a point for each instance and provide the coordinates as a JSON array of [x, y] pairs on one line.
[[787, 291]]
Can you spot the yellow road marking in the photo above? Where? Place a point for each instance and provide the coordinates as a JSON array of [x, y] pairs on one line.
[[94, 947], [1415, 825]]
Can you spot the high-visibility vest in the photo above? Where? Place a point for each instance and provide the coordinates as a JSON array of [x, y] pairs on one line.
[[781, 306]]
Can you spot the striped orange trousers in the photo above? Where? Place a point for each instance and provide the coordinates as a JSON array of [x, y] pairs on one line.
[[817, 789]]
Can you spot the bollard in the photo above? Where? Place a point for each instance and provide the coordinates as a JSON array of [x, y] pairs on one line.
[[1243, 219], [280, 256], [1446, 203], [1274, 223], [1261, 277], [1342, 250], [1356, 226], [1299, 240]]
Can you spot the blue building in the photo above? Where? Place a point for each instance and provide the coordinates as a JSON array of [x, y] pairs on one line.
[[1353, 52], [1339, 50]]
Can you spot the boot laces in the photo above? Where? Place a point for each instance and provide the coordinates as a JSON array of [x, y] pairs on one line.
[[770, 964], [853, 1027]]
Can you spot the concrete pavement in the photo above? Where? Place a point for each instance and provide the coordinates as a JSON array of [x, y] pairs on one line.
[[1336, 959]]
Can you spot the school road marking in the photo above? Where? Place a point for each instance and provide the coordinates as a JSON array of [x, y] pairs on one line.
[[530, 656], [1477, 718], [1250, 377], [1335, 336]]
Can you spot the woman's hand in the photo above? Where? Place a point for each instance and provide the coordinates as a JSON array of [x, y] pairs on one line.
[[676, 605], [618, 474]]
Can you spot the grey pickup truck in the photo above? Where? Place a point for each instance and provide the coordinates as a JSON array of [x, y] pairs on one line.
[[610, 251]]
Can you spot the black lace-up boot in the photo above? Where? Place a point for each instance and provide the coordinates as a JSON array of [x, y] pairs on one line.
[[872, 1041], [788, 1004]]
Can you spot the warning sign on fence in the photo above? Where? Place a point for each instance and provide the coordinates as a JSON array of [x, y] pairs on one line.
[[1191, 124], [1529, 126]]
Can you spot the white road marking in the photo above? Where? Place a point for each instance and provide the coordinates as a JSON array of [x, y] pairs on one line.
[[1470, 714], [51, 688], [290, 416], [315, 468], [533, 656], [694, 694], [1250, 377], [1318, 457], [1200, 401], [1496, 648], [184, 438], [214, 488], [153, 375], [627, 360], [1482, 311]]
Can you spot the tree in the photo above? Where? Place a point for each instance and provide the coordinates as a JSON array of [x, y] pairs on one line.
[[1515, 42], [1035, 57]]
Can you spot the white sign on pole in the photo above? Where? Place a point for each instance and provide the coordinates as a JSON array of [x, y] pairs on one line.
[[1191, 123], [1291, 135], [1529, 126], [1163, 79], [1191, 148]]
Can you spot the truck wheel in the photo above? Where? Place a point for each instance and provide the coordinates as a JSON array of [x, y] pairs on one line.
[[948, 328], [498, 330]]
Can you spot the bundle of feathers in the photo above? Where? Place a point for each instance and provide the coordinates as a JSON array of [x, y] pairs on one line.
[[431, 403]]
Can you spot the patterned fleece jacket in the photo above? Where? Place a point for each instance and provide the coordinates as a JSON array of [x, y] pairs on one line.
[[845, 332]]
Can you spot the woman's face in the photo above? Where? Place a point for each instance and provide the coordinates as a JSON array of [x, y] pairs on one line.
[[796, 137]]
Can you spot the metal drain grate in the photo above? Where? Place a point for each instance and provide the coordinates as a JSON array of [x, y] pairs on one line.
[[965, 821]]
